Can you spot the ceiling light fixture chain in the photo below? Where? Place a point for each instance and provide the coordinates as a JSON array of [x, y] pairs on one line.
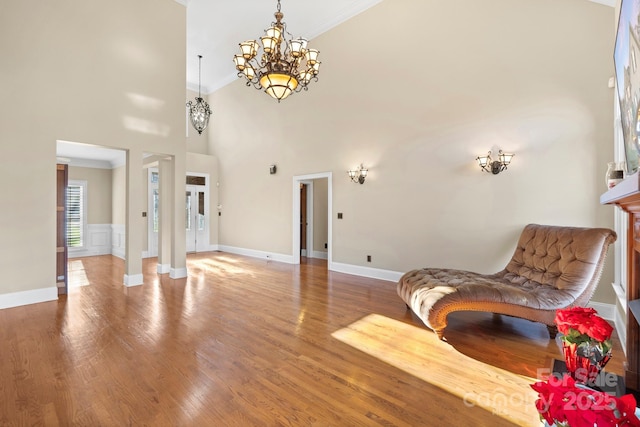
[[285, 64], [199, 111], [199, 73]]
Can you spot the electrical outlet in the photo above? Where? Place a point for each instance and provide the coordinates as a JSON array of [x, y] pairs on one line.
[[325, 246], [339, 215], [368, 258]]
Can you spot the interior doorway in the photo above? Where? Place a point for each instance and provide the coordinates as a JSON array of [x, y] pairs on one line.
[[312, 229], [95, 199], [196, 218]]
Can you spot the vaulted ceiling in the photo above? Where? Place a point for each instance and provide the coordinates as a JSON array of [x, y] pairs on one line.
[[215, 27]]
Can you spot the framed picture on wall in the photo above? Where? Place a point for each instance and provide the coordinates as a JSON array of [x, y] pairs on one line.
[[626, 58]]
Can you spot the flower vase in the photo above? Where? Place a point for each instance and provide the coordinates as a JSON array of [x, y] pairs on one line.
[[584, 362]]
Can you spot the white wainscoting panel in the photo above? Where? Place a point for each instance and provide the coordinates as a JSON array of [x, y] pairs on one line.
[[97, 241], [118, 240]]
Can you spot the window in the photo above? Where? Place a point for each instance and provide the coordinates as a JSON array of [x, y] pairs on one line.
[[76, 213]]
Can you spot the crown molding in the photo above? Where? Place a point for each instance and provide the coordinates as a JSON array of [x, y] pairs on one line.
[[611, 3], [344, 15]]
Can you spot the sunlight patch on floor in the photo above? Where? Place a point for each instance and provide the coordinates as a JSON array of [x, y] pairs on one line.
[[220, 264], [77, 274], [418, 352]]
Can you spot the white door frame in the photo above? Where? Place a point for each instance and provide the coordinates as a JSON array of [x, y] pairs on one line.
[[152, 238], [303, 179]]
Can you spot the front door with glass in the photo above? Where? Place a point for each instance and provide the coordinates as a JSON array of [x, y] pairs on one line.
[[196, 218]]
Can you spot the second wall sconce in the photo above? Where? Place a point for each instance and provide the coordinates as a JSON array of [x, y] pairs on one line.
[[359, 174], [495, 166]]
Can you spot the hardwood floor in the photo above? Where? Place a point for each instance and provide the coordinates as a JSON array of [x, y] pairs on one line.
[[245, 342]]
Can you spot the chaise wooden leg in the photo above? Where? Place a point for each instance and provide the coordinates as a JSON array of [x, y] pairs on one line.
[[553, 331]]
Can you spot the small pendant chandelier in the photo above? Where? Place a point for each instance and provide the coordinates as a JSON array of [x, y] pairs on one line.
[[285, 66], [199, 112]]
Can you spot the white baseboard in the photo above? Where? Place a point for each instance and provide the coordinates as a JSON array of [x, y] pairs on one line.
[[133, 280], [178, 273], [16, 299], [288, 259], [164, 268], [606, 311], [374, 273], [78, 253], [320, 254], [356, 270]]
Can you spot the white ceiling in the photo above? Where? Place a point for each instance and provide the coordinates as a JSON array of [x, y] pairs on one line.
[[216, 27], [92, 156]]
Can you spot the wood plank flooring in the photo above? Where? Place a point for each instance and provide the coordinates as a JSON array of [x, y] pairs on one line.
[[247, 342]]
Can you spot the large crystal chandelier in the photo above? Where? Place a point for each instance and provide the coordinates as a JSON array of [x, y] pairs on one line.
[[285, 64], [199, 111]]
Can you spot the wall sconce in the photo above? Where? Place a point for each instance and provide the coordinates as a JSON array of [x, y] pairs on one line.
[[359, 174], [495, 166]]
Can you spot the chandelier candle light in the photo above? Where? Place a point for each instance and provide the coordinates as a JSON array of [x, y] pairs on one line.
[[286, 65], [199, 111]]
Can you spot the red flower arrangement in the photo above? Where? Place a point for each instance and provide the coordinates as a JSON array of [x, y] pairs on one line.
[[586, 341], [586, 322], [562, 402]]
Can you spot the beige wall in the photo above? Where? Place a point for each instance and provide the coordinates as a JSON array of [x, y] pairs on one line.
[[119, 196], [93, 72], [416, 90], [99, 198]]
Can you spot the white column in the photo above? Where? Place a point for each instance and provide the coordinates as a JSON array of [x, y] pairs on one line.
[[165, 170], [178, 232], [134, 223]]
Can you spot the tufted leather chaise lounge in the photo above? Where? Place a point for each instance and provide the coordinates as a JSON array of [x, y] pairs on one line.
[[552, 268]]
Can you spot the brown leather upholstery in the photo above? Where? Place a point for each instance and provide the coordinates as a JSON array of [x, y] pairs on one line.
[[551, 268]]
